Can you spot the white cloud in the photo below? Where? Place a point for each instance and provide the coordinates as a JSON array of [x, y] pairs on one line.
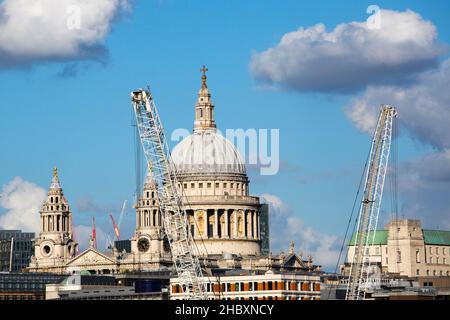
[[423, 108], [48, 30], [424, 112], [22, 200], [286, 226], [351, 56], [275, 202]]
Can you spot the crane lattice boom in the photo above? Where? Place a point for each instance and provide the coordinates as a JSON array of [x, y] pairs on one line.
[[157, 154], [370, 205]]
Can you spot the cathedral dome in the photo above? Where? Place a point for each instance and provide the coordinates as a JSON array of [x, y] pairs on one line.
[[207, 152]]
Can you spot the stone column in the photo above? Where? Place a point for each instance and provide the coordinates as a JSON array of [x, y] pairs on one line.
[[227, 224], [255, 227], [196, 233], [205, 225], [258, 231], [216, 223], [151, 217], [235, 226], [158, 218], [249, 224]]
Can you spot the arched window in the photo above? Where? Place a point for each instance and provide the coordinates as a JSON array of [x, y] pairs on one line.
[[417, 256], [56, 199], [51, 199]]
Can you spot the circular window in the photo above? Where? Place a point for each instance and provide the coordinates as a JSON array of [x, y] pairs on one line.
[[143, 245], [46, 250]]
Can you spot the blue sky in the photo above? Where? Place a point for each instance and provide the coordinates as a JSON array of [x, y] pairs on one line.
[[81, 122]]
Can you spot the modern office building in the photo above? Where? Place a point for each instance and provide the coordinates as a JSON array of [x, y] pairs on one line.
[[26, 286], [16, 249]]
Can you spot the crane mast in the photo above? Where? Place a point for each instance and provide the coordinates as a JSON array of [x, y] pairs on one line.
[[157, 154], [370, 205]]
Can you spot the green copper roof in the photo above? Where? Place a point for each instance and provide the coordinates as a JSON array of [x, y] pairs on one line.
[[380, 238], [437, 237]]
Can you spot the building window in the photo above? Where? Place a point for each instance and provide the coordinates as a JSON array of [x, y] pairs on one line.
[[377, 250], [437, 250], [437, 260], [448, 273], [225, 185], [185, 185], [434, 272], [200, 185], [399, 256], [417, 256], [431, 259], [440, 273], [192, 185], [231, 185], [417, 272], [431, 250], [208, 185], [217, 184], [428, 272], [444, 260]]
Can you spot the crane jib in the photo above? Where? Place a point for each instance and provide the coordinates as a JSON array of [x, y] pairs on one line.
[[175, 225], [360, 265]]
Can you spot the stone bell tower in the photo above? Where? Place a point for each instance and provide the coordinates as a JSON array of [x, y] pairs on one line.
[[55, 244], [147, 243]]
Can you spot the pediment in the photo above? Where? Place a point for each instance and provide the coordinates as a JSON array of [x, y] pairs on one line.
[[293, 261], [89, 257]]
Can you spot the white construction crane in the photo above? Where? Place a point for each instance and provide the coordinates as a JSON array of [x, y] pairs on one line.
[[170, 202], [370, 205]]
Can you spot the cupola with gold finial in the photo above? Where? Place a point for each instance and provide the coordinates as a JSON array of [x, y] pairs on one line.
[[204, 109]]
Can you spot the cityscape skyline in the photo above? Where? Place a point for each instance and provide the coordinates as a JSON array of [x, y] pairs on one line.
[[74, 110]]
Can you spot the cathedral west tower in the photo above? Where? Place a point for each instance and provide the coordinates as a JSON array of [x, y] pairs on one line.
[[55, 244]]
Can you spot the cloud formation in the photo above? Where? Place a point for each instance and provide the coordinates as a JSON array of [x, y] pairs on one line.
[[352, 56], [286, 226], [42, 31], [424, 185], [423, 107], [22, 200], [424, 112]]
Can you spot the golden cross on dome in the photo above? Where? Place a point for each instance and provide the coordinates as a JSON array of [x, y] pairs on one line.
[[55, 171], [204, 69]]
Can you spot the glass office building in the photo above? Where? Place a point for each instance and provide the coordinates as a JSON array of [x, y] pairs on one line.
[[16, 249]]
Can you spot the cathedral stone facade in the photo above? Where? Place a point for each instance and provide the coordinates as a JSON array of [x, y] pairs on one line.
[[229, 226], [55, 244]]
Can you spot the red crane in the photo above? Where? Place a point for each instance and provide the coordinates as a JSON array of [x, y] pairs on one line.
[[116, 229]]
